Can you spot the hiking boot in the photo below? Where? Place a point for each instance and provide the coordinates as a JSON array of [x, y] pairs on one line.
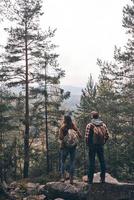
[[67, 177], [90, 181], [102, 180], [63, 178]]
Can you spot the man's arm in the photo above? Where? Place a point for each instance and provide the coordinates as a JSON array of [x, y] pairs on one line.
[[87, 132]]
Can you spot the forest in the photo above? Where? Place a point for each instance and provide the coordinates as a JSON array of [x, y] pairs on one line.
[[31, 100]]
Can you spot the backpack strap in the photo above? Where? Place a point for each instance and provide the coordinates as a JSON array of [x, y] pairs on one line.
[[63, 132]]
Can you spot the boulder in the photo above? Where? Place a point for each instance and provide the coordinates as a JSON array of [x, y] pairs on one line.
[[35, 197], [41, 188], [66, 190], [111, 190], [58, 199], [80, 190], [13, 185], [32, 188], [109, 178]]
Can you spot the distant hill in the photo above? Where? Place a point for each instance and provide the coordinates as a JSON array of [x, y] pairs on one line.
[[69, 104], [74, 97], [73, 89]]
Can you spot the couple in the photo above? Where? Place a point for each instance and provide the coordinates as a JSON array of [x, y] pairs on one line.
[[96, 135]]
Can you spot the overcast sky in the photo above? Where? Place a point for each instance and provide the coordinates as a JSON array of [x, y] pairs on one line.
[[86, 30]]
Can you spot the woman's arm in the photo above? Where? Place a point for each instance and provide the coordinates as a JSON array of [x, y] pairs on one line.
[[77, 130], [61, 133]]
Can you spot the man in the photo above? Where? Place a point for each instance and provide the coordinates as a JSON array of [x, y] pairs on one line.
[[96, 136]]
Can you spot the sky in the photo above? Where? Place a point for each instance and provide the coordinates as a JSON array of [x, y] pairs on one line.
[[86, 30]]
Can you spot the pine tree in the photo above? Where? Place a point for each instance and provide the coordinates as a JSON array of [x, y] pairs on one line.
[[6, 126], [82, 115], [27, 66], [22, 39], [49, 96], [116, 100], [125, 57]]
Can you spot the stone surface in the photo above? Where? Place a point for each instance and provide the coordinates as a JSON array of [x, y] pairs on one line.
[[111, 190], [66, 190], [35, 197], [109, 178], [31, 185], [13, 185], [58, 199], [41, 188], [80, 190], [31, 188]]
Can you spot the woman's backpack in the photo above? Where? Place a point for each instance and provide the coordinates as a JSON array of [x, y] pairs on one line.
[[71, 138]]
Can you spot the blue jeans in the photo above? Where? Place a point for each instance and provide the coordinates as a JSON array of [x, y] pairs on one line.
[[99, 150], [64, 154]]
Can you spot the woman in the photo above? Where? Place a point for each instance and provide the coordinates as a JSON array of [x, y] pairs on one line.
[[68, 137]]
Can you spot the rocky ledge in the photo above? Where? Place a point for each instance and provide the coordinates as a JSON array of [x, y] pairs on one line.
[[111, 190], [80, 190]]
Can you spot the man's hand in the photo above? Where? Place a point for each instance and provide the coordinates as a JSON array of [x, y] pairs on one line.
[[87, 141]]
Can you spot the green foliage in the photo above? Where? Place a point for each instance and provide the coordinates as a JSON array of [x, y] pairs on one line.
[[31, 64], [114, 99]]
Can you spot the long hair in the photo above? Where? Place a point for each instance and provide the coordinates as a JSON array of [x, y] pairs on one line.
[[68, 121]]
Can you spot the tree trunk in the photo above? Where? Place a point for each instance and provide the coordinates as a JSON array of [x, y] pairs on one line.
[[26, 134], [46, 120]]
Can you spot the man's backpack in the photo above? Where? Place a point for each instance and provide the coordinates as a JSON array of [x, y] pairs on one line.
[[71, 138], [99, 134]]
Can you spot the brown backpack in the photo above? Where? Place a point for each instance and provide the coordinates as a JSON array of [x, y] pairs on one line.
[[71, 138], [99, 134]]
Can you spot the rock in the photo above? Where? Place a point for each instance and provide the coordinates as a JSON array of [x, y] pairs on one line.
[[27, 191], [31, 185], [35, 197], [41, 197], [85, 178], [13, 185], [32, 188], [41, 188], [13, 193], [66, 190], [109, 178], [58, 199], [17, 189], [111, 190]]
